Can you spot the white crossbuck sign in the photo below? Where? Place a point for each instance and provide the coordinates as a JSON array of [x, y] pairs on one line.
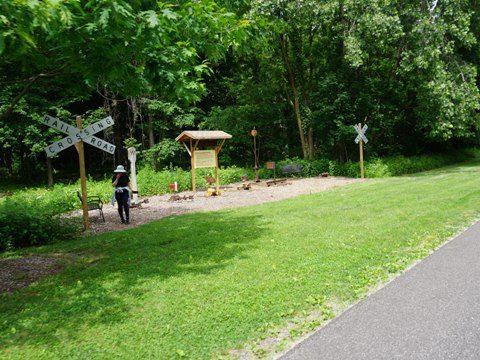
[[361, 133], [75, 135]]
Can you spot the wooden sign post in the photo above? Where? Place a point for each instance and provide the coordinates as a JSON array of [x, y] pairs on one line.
[[255, 153], [77, 136], [359, 140], [83, 178], [203, 158], [271, 165]]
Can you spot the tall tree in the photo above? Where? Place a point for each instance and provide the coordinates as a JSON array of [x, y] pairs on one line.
[[118, 48], [296, 28]]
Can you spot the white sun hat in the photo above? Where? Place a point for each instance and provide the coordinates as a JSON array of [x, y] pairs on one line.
[[120, 169]]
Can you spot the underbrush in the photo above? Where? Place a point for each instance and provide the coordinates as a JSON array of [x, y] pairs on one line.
[[27, 224], [381, 167]]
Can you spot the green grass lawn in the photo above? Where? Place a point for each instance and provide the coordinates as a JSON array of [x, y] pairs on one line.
[[200, 285]]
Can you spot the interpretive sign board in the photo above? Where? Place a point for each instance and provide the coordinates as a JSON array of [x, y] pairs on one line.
[[205, 158]]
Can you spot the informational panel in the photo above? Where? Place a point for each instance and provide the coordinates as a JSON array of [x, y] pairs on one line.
[[204, 159]]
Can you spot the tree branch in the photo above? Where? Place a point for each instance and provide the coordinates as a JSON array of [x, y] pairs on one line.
[[8, 112]]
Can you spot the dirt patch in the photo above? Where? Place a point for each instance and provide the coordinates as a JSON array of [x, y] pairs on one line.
[[21, 272]]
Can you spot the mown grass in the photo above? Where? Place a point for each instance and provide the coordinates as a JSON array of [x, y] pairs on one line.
[[199, 285]]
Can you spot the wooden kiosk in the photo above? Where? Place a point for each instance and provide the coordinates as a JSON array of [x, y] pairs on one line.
[[203, 147]]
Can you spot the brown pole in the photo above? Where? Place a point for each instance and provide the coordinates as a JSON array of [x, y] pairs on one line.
[[255, 169], [192, 159], [83, 178], [217, 179], [362, 174]]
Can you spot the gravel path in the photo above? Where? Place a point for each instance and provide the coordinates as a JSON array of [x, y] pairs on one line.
[[232, 196]]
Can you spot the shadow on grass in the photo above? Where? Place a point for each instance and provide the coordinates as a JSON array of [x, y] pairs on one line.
[[117, 271]]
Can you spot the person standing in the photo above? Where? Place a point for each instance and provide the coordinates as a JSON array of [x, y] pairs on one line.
[[121, 184]]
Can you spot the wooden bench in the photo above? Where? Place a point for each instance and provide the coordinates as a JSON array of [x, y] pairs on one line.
[[291, 169], [93, 203]]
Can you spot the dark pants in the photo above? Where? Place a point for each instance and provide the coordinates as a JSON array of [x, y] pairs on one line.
[[122, 201]]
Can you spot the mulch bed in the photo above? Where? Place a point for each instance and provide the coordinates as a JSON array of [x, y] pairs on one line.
[[21, 272]]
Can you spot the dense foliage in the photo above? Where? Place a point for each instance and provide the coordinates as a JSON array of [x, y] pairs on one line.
[[301, 72], [32, 224]]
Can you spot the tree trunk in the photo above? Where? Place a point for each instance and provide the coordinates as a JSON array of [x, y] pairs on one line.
[[7, 160], [151, 142], [311, 150], [151, 134], [296, 100], [119, 131], [25, 164], [49, 172]]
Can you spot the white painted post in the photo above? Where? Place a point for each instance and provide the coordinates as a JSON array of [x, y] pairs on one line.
[[132, 156]]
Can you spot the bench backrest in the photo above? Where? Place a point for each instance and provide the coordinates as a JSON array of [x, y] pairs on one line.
[[291, 168]]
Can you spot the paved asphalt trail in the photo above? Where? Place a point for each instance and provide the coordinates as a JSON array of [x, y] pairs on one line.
[[431, 312]]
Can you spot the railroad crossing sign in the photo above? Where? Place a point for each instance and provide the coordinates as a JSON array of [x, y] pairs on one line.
[[361, 133], [76, 135], [360, 139]]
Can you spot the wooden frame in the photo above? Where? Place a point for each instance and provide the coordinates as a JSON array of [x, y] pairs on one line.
[[193, 140]]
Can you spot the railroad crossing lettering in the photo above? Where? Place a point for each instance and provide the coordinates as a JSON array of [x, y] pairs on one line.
[[361, 133], [75, 135], [59, 125], [98, 126], [101, 144]]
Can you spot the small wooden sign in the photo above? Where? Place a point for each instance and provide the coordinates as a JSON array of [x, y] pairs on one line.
[[270, 165], [205, 158]]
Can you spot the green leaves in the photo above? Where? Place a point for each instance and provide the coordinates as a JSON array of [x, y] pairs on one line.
[[169, 14], [133, 48]]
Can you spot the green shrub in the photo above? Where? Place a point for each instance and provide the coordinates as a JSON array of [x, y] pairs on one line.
[[315, 167], [350, 169], [24, 224], [152, 182], [234, 174], [334, 168], [376, 168]]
